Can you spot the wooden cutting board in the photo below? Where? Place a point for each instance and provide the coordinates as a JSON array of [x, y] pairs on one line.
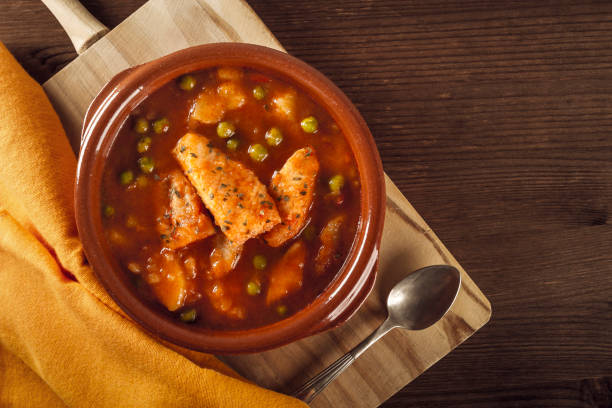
[[163, 26]]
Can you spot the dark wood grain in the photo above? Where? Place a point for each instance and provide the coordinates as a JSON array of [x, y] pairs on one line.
[[495, 119]]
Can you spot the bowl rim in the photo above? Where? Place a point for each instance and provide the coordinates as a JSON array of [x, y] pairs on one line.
[[107, 113]]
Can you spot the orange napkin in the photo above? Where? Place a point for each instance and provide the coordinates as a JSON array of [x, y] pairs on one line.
[[64, 341]]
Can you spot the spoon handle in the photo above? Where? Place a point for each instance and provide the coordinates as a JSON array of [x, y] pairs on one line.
[[312, 388]]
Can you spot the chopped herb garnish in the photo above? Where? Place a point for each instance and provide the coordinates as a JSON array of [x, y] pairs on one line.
[[192, 154], [223, 185], [302, 192], [286, 198], [240, 205], [227, 222], [163, 236], [183, 148], [219, 168]]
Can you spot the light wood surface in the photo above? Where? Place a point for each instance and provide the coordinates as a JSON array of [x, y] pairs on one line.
[[164, 26]]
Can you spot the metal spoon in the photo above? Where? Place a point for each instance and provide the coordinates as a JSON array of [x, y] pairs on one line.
[[415, 303]]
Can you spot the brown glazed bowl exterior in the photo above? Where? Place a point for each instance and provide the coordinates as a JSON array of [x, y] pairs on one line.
[[111, 108]]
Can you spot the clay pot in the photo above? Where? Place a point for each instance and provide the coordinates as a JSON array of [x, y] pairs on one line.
[[111, 108]]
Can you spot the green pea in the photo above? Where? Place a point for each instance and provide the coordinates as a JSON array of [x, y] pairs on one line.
[[126, 177], [108, 211], [146, 164], [226, 129], [253, 288], [260, 262], [336, 183], [188, 316], [161, 125], [187, 82], [233, 144], [258, 152], [274, 136], [259, 93], [141, 125], [310, 124], [281, 310], [144, 144]]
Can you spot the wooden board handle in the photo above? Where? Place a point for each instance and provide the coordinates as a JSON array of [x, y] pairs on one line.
[[82, 27]]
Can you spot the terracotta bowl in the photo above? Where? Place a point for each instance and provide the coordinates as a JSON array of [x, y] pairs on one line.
[[111, 108]]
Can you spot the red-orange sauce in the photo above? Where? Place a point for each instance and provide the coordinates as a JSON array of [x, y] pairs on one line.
[[132, 228]]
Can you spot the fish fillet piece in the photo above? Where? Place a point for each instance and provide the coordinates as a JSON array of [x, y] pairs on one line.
[[286, 275], [330, 237], [224, 256], [184, 222], [238, 201], [293, 188]]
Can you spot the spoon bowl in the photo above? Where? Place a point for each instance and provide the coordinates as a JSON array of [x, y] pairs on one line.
[[423, 297]]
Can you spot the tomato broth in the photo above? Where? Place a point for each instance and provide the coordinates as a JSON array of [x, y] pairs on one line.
[[163, 221]]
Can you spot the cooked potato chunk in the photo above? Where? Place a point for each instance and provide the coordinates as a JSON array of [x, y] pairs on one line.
[[229, 73], [184, 222], [211, 104], [287, 274], [283, 103], [208, 108], [330, 237], [238, 201], [167, 276], [293, 188], [223, 301], [232, 94]]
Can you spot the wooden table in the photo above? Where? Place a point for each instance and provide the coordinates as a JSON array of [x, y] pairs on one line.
[[494, 118]]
